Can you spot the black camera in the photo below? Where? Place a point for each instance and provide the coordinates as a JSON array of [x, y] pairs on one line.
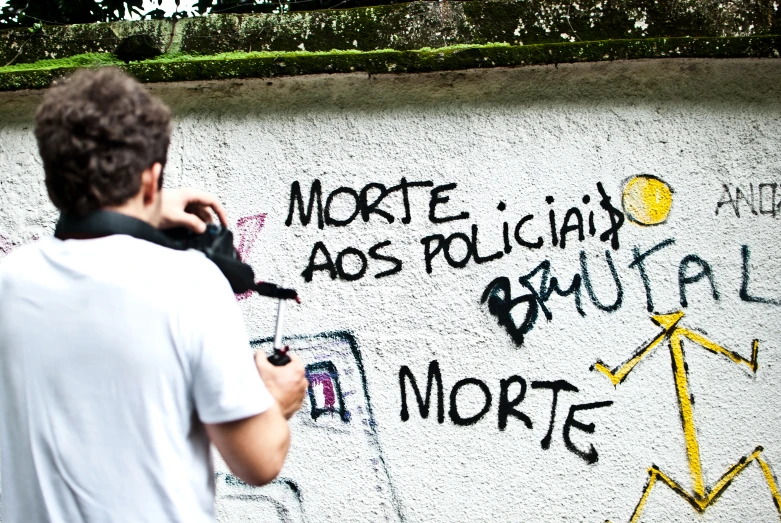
[[215, 241], [217, 244]]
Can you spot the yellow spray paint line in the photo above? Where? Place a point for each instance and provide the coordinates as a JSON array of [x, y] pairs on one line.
[[678, 489], [701, 504], [687, 415], [728, 476], [655, 474], [620, 373], [718, 349], [771, 483], [646, 492], [699, 500]]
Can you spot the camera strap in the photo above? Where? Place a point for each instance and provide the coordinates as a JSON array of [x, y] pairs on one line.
[[99, 224]]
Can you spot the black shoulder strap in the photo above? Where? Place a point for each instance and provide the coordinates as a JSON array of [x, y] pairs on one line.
[[98, 224]]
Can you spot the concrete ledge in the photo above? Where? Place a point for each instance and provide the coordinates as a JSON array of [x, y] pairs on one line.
[[264, 64]]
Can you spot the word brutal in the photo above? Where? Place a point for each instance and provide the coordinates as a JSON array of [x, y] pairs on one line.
[[534, 297]]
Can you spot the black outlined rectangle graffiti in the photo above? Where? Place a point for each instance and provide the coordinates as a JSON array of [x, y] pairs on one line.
[[336, 437]]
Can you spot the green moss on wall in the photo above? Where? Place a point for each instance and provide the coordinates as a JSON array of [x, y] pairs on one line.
[[268, 64], [55, 42], [72, 62], [411, 26]]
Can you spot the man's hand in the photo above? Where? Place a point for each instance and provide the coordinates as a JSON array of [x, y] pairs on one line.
[[255, 448], [189, 208], [288, 384]]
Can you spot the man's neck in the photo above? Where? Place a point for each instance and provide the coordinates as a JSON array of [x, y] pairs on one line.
[[135, 208]]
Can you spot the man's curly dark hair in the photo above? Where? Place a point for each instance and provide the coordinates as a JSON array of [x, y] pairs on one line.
[[97, 131]]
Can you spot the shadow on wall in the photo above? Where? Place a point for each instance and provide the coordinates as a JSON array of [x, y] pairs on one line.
[[739, 83], [335, 470], [718, 83]]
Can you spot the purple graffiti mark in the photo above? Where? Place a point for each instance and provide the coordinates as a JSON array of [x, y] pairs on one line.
[[5, 245], [325, 375], [324, 357], [248, 229], [324, 381]]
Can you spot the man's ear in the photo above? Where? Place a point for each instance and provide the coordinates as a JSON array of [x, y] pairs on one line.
[[150, 183]]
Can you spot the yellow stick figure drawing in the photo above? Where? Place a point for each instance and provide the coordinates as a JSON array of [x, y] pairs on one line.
[[702, 497]]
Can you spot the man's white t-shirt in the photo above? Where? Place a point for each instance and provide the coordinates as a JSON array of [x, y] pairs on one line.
[[113, 354]]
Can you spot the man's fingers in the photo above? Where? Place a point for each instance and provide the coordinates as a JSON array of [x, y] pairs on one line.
[[190, 221], [206, 200], [288, 384], [190, 208], [204, 214], [201, 211], [261, 359]]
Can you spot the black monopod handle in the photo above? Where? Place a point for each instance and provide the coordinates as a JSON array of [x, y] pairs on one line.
[[280, 357]]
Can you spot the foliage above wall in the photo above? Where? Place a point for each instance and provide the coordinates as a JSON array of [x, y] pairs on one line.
[[32, 13], [409, 37], [265, 64]]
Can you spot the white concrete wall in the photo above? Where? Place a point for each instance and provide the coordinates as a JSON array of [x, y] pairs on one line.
[[517, 137]]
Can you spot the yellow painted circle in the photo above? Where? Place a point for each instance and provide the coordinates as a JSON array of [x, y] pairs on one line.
[[647, 200]]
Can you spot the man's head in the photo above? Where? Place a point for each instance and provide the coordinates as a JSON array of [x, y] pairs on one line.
[[103, 140]]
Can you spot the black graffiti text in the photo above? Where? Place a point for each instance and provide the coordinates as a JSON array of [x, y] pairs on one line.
[[518, 313], [763, 199], [320, 259], [512, 393], [366, 203], [459, 248]]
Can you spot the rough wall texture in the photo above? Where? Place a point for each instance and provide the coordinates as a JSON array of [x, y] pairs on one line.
[[661, 181]]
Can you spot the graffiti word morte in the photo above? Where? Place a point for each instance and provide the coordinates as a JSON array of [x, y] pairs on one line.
[[512, 392], [342, 206]]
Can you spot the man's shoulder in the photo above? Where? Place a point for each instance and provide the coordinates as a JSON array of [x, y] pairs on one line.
[[154, 254], [121, 259], [177, 267], [21, 258]]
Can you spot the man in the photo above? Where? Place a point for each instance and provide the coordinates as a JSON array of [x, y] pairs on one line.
[[120, 359]]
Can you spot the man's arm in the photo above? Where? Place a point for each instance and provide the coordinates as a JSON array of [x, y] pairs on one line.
[[254, 448]]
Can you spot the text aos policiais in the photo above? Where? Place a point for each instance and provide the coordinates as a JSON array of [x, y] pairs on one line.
[[366, 202]]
